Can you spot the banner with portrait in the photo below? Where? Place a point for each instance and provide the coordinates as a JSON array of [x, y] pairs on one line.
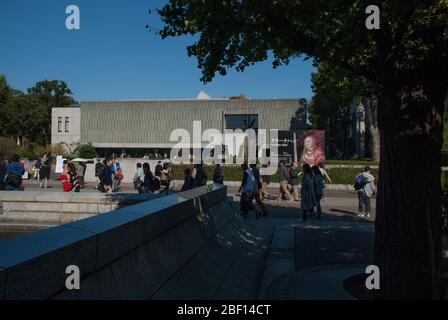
[[302, 146]]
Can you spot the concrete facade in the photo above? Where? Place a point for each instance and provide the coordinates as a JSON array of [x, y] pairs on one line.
[[148, 124], [66, 125]]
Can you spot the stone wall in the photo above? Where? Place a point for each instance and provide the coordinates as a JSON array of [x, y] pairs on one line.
[[179, 246]]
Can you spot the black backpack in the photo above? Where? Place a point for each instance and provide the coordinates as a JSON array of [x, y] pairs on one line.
[[13, 180]]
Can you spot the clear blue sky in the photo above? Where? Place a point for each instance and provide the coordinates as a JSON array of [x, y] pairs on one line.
[[113, 56]]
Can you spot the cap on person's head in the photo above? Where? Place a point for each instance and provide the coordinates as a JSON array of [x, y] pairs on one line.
[[367, 168]]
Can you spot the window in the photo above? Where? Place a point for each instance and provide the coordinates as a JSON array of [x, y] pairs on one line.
[[66, 124], [59, 124], [242, 121]]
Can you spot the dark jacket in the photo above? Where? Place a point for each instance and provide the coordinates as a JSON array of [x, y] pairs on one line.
[[308, 197], [201, 177], [44, 172], [218, 175], [188, 183], [318, 184]]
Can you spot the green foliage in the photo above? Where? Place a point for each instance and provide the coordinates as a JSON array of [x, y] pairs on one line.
[[28, 116], [87, 151], [25, 153], [240, 33]]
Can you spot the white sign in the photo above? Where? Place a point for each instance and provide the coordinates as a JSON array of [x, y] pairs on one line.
[[59, 164]]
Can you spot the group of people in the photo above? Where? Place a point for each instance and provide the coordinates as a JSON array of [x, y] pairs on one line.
[[253, 187], [147, 182], [197, 177], [109, 175]]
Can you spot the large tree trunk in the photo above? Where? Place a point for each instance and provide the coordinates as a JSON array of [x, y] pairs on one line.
[[408, 243], [370, 109]]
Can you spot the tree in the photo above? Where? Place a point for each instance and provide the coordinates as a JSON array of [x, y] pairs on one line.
[[87, 151], [335, 90], [6, 96], [406, 60], [51, 94]]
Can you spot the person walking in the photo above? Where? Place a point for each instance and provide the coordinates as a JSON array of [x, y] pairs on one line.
[[37, 168], [284, 181], [107, 176], [246, 190], [75, 185], [81, 173], [148, 185], [3, 170], [166, 178], [265, 181], [364, 184], [44, 174], [294, 179], [257, 187], [318, 181], [218, 175], [139, 177], [99, 167], [201, 177], [308, 197]]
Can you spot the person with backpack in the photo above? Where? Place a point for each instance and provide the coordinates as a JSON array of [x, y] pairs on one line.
[[246, 190], [294, 179], [150, 184], [318, 181], [284, 181], [81, 173], [218, 174], [364, 184], [14, 173], [308, 197]]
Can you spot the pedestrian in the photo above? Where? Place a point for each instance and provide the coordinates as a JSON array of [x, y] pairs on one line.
[[44, 174], [158, 169], [37, 168], [188, 180], [75, 185], [66, 186], [218, 174], [364, 184], [265, 181], [14, 174], [201, 177], [117, 175], [165, 177], [257, 187], [318, 181], [107, 176], [139, 177], [81, 173], [99, 167], [284, 180], [150, 183], [308, 197], [246, 190], [3, 170], [294, 179]]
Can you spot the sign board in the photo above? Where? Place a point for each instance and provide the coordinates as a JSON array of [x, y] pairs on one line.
[[59, 164]]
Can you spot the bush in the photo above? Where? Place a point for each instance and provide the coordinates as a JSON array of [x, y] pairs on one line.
[[25, 153], [87, 151]]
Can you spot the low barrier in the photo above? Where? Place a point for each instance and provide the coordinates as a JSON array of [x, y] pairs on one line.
[[176, 247], [55, 208]]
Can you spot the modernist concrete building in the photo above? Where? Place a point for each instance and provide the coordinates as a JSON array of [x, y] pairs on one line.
[[135, 128]]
